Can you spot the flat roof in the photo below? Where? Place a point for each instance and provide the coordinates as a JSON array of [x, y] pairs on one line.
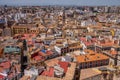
[[90, 56], [25, 77], [87, 73], [52, 62], [108, 44], [23, 26]]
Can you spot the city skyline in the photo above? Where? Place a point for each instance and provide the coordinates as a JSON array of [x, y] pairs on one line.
[[59, 41], [61, 2]]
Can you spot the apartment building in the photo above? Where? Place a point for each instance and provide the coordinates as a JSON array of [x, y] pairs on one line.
[[91, 59]]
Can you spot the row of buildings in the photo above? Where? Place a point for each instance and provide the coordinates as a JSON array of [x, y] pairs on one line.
[[57, 43]]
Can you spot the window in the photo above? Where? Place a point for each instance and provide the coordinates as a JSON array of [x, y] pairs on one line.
[[101, 63], [17, 47], [107, 61], [83, 65], [96, 64], [86, 66], [90, 63], [12, 46], [7, 46], [80, 66]]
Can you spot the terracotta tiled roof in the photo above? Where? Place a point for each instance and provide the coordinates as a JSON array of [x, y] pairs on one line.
[[5, 65], [64, 65], [113, 52], [88, 43], [83, 39], [41, 54], [107, 44], [49, 52], [30, 43], [37, 58], [49, 73], [2, 77]]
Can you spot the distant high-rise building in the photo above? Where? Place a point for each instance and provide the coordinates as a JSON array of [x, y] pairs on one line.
[[106, 9]]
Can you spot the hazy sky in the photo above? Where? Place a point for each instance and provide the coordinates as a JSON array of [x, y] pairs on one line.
[[60, 2]]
